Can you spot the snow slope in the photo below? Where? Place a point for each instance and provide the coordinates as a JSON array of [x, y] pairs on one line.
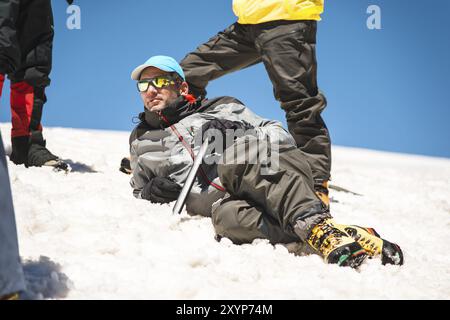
[[84, 236]]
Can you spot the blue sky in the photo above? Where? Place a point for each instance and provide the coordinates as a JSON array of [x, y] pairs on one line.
[[387, 89]]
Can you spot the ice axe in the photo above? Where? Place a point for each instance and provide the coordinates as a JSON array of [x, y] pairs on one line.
[[190, 179]]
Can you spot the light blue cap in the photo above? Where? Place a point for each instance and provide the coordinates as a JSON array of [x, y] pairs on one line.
[[163, 63]]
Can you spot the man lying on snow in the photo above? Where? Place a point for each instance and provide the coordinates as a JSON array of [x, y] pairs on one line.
[[246, 199]]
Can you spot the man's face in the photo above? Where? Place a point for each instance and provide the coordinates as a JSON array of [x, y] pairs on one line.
[[157, 99]]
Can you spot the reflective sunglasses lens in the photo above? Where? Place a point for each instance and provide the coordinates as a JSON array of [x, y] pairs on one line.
[[158, 82], [143, 86], [161, 82]]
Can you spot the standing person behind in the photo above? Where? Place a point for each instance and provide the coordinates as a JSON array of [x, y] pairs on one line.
[[26, 38], [11, 274], [282, 35]]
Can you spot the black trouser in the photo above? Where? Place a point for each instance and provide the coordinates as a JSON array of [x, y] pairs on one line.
[[277, 204], [26, 37], [11, 274], [287, 49]]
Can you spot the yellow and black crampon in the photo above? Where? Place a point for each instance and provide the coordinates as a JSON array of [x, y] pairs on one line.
[[373, 244], [336, 246]]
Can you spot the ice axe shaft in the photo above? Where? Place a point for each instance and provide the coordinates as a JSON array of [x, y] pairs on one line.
[[190, 179]]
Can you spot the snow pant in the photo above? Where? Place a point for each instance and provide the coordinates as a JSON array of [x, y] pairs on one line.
[[276, 204], [26, 37], [11, 274], [287, 49]]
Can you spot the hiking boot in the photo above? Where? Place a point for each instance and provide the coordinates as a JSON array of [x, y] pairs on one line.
[[19, 150], [31, 152], [39, 155], [321, 189], [335, 245], [12, 296], [373, 244]]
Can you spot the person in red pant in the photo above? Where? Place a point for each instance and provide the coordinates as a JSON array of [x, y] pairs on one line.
[[26, 37]]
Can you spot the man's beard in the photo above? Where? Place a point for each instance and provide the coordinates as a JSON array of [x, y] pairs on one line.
[[156, 118]]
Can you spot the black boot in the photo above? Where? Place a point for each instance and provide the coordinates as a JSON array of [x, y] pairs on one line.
[[31, 152], [39, 155], [125, 165], [334, 245], [20, 146]]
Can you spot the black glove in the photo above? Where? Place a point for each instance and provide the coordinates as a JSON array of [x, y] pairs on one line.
[[161, 190], [125, 165], [226, 127]]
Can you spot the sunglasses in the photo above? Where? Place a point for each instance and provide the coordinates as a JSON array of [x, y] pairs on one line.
[[156, 82]]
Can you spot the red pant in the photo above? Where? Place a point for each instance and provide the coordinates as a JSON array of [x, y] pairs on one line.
[[23, 102]]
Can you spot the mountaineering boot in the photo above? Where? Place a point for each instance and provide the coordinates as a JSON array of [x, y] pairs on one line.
[[334, 245], [19, 147], [321, 189], [373, 244], [39, 155], [31, 152]]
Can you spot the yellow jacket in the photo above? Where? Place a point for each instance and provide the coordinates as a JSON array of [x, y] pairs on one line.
[[258, 11]]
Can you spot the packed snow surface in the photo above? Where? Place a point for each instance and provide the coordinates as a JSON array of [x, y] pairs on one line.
[[83, 235]]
